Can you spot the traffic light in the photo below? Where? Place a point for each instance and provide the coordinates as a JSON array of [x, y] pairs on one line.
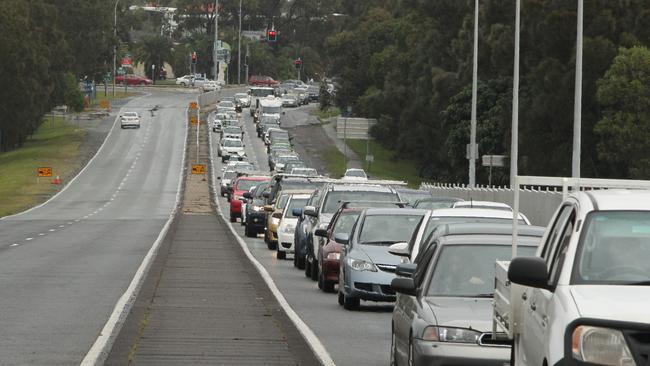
[[194, 57], [271, 35], [297, 63]]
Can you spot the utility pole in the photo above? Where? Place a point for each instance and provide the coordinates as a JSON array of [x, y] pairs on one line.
[[239, 48], [471, 151], [514, 139], [246, 63], [577, 104], [115, 45], [216, 39]]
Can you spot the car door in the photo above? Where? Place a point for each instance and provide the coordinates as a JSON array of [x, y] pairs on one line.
[[535, 315]]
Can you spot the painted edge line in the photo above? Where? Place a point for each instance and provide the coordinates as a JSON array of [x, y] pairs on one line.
[[82, 169], [100, 349], [317, 347]]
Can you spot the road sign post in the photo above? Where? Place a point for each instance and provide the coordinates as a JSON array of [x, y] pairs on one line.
[[498, 161]]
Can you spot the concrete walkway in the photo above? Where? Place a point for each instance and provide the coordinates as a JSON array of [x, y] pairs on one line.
[[354, 161]]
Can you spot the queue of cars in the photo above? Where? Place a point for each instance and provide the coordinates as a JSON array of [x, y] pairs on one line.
[[378, 241]]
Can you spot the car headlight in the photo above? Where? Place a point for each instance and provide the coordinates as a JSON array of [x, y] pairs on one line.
[[258, 208], [289, 229], [601, 346], [334, 256], [361, 265], [275, 220], [451, 335]]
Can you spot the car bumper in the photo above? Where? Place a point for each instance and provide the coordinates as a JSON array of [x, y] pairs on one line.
[[331, 269], [371, 286], [456, 354], [286, 242]]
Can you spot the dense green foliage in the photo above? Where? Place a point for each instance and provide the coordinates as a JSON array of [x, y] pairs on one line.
[[408, 64]]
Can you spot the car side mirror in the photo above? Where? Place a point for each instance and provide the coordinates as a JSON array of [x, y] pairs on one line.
[[321, 232], [529, 271], [403, 285], [406, 269], [342, 238], [268, 208], [297, 212], [248, 195], [399, 249], [218, 178], [310, 211]]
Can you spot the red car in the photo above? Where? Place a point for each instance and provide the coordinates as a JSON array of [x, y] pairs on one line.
[[240, 186], [132, 80], [328, 258], [258, 80]]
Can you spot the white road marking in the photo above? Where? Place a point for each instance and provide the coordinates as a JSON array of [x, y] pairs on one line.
[[52, 230], [28, 239], [61, 226], [14, 245], [41, 234]]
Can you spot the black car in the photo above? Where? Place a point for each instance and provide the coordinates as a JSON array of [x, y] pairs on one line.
[[255, 220]]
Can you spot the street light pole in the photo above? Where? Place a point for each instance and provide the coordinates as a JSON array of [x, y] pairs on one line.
[[115, 45], [239, 48], [472, 140], [216, 39], [577, 104], [514, 139]]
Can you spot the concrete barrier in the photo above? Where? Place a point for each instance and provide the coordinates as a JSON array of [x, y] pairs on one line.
[[209, 98], [538, 204]]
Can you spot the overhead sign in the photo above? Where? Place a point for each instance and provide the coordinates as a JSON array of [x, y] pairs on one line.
[[198, 168], [44, 171]]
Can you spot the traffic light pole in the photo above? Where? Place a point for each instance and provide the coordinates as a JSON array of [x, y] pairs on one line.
[[216, 39]]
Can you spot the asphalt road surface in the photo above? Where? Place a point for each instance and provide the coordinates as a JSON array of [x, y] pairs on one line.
[[64, 265], [351, 337]]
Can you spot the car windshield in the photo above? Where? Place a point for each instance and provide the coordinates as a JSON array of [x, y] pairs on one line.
[[241, 95], [434, 222], [435, 204], [614, 249], [282, 201], [261, 92], [232, 143], [295, 203], [130, 114], [271, 110], [299, 184], [268, 120], [304, 171], [468, 270], [412, 196], [247, 184], [387, 229], [345, 222], [334, 198], [232, 129], [230, 174], [287, 158]]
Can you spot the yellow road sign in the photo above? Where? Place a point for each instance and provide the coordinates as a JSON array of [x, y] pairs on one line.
[[194, 120], [104, 104], [194, 105], [198, 168], [44, 171]]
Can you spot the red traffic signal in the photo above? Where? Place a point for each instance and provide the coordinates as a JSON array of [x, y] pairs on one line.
[[297, 63], [194, 57], [271, 35]]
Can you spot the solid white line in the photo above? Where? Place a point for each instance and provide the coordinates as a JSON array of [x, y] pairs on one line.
[[52, 230], [41, 234], [28, 239], [317, 347], [14, 245], [104, 342], [84, 168]]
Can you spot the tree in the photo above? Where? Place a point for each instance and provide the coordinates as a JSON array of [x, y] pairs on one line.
[[155, 50], [624, 130]]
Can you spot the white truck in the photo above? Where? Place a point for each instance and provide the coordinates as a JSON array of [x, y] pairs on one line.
[[584, 298], [270, 107]]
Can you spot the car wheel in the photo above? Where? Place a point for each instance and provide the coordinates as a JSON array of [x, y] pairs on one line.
[[323, 284], [282, 254], [233, 218], [300, 262], [351, 303], [341, 297], [307, 268], [250, 233], [314, 270], [393, 349]]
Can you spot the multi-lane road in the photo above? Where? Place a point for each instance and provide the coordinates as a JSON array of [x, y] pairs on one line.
[[65, 264], [351, 337]]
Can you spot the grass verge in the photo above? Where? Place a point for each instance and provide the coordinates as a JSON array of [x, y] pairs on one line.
[[385, 166], [55, 144], [328, 113], [119, 94], [335, 162]]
